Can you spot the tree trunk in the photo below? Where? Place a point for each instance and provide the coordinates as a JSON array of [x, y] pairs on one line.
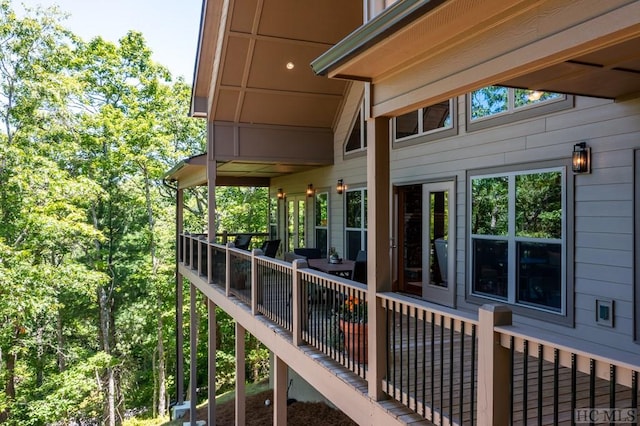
[[162, 387]]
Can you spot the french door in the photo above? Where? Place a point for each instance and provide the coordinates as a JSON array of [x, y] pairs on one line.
[[426, 241], [296, 225]]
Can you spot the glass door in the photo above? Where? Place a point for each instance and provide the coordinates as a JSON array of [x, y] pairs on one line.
[[438, 255], [426, 243], [296, 206]]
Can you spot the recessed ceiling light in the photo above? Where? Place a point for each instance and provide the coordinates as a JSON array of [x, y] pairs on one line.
[[290, 65]]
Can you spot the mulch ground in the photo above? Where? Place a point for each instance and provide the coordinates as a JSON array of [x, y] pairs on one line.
[[259, 414]]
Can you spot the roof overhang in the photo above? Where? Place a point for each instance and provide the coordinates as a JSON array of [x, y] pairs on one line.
[[434, 50]]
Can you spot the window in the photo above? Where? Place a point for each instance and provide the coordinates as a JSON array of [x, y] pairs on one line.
[[496, 105], [358, 137], [322, 222], [356, 229], [432, 119], [518, 238]]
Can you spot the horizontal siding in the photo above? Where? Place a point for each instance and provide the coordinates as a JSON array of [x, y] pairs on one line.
[[603, 200]]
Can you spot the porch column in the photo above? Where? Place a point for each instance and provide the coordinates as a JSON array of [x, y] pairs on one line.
[[280, 392], [378, 247], [193, 353], [494, 367], [240, 376], [179, 302], [211, 377], [211, 184]]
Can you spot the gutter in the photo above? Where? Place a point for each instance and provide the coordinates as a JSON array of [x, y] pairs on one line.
[[388, 22]]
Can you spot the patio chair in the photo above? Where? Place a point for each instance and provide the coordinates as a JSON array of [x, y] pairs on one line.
[[308, 252], [360, 268], [270, 247], [242, 241]]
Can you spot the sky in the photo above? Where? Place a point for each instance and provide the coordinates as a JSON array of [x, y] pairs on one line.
[[170, 27]]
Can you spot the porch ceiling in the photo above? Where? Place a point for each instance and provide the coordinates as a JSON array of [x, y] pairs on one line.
[[243, 52], [435, 50]]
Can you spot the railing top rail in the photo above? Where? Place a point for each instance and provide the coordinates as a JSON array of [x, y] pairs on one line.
[[430, 307], [308, 272], [265, 260], [597, 352]]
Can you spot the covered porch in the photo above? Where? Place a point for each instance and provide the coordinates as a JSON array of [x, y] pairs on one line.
[[434, 364]]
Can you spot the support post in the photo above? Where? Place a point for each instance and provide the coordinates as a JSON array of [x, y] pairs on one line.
[[179, 300], [494, 367], [378, 248], [280, 392], [193, 353], [211, 344], [299, 308], [254, 280], [240, 376]]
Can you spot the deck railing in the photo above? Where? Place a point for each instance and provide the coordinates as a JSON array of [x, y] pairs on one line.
[[431, 360], [274, 281], [447, 366], [333, 318], [557, 384]]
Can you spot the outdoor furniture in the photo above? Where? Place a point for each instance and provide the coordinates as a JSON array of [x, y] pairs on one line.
[[242, 241], [343, 269], [291, 256], [308, 252], [270, 248], [360, 268]]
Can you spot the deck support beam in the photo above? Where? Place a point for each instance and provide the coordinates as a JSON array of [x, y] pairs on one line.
[[193, 353], [240, 376], [280, 392], [179, 302], [378, 247], [211, 344]]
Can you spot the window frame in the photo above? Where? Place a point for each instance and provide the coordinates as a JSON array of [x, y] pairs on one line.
[[363, 221], [324, 250], [566, 314], [429, 135], [513, 114], [359, 118]]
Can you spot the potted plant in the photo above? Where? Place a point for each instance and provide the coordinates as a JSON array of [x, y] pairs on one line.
[[334, 257], [352, 316]]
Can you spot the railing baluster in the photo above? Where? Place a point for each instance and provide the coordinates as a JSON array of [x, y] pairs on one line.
[[573, 388], [451, 334], [415, 357], [512, 351], [473, 373], [525, 381], [440, 401], [592, 384], [556, 386], [612, 386], [540, 368], [424, 365], [461, 368], [432, 361]]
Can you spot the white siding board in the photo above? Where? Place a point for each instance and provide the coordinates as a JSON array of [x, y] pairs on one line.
[[595, 112], [604, 241], [622, 309], [612, 209], [598, 256], [621, 225], [605, 289], [613, 175], [604, 335], [612, 158], [606, 273], [589, 192]]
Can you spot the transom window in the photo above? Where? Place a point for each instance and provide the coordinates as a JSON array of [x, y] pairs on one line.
[[492, 100], [358, 137], [434, 118], [517, 242]]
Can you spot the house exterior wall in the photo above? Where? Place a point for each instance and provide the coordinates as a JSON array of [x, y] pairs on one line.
[[603, 201]]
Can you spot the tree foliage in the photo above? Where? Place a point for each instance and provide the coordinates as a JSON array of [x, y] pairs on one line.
[[87, 130]]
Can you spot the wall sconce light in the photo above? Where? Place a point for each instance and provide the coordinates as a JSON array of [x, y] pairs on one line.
[[310, 191], [280, 194], [340, 187], [581, 160]]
